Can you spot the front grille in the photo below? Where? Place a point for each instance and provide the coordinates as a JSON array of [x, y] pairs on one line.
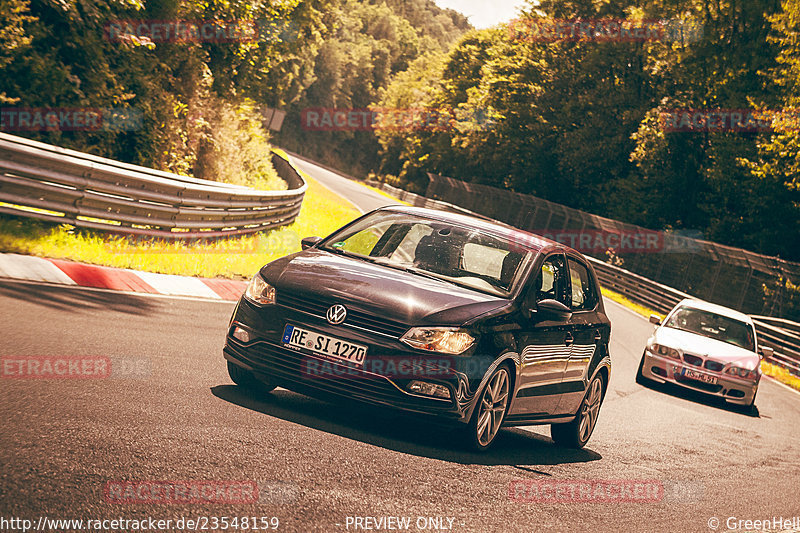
[[318, 307], [692, 359], [289, 366], [714, 366]]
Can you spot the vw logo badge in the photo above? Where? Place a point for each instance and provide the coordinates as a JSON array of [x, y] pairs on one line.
[[336, 314]]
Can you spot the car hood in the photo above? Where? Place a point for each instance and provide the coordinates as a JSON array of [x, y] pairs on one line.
[[377, 289], [700, 345]]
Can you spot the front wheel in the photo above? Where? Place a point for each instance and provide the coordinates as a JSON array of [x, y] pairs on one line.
[[576, 434], [640, 379], [491, 410]]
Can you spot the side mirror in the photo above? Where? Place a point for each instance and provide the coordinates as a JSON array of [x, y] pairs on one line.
[[308, 242], [766, 352], [655, 319], [550, 309]]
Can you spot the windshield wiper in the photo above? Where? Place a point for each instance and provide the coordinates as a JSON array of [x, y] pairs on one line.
[[410, 269], [345, 253], [429, 275]]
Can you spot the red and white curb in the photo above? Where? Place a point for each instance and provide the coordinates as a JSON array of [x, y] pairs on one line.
[[29, 268]]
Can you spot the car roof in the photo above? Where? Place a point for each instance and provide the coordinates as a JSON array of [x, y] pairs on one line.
[[695, 303], [521, 238]]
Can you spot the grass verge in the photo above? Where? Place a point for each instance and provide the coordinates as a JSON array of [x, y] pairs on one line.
[[769, 369], [781, 374], [622, 300], [236, 257]]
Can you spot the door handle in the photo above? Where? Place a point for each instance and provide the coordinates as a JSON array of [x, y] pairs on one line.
[[569, 339], [597, 336]]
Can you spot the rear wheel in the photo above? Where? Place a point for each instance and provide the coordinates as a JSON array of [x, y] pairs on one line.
[[576, 434], [246, 379], [491, 410]]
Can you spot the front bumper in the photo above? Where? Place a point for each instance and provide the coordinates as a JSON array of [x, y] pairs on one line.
[[384, 384], [665, 369]]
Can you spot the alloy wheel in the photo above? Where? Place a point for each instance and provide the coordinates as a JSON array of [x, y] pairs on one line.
[[492, 407], [590, 409]]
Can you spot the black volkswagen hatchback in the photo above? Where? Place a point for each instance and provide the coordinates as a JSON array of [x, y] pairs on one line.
[[436, 314]]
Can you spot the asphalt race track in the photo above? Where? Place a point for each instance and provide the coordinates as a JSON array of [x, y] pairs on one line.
[[363, 198], [319, 466]]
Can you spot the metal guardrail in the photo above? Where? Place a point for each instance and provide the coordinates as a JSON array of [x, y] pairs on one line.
[[65, 186], [781, 335], [750, 282]]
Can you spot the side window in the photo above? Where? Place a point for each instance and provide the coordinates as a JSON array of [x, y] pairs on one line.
[[551, 282], [583, 294]]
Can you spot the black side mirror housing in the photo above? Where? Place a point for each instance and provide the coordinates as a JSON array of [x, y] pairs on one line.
[[655, 319], [550, 309], [309, 242]]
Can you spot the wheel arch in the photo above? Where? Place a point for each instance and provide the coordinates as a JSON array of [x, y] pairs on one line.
[[509, 359]]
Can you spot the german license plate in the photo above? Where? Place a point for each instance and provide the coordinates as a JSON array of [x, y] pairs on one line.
[[324, 345], [699, 376]]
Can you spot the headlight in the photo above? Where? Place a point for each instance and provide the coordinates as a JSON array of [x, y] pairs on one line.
[[259, 291], [741, 372], [664, 351], [444, 340]]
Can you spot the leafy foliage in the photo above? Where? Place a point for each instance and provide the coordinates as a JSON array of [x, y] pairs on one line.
[[579, 121], [574, 121], [58, 54], [371, 43]]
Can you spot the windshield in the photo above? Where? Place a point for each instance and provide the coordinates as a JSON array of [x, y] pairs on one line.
[[455, 254], [714, 326]]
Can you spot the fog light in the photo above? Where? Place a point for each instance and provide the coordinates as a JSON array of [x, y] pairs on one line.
[[429, 389], [241, 334]]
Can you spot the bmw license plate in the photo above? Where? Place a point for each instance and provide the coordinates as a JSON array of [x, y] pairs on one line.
[[699, 376], [319, 344]]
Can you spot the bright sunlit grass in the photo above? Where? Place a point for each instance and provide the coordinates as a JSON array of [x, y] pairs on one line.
[[622, 300], [237, 257], [781, 374]]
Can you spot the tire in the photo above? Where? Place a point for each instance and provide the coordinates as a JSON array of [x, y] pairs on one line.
[[752, 405], [640, 379], [246, 379], [489, 414], [576, 434]]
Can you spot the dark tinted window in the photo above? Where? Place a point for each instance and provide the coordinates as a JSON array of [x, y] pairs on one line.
[[583, 294], [551, 282]]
